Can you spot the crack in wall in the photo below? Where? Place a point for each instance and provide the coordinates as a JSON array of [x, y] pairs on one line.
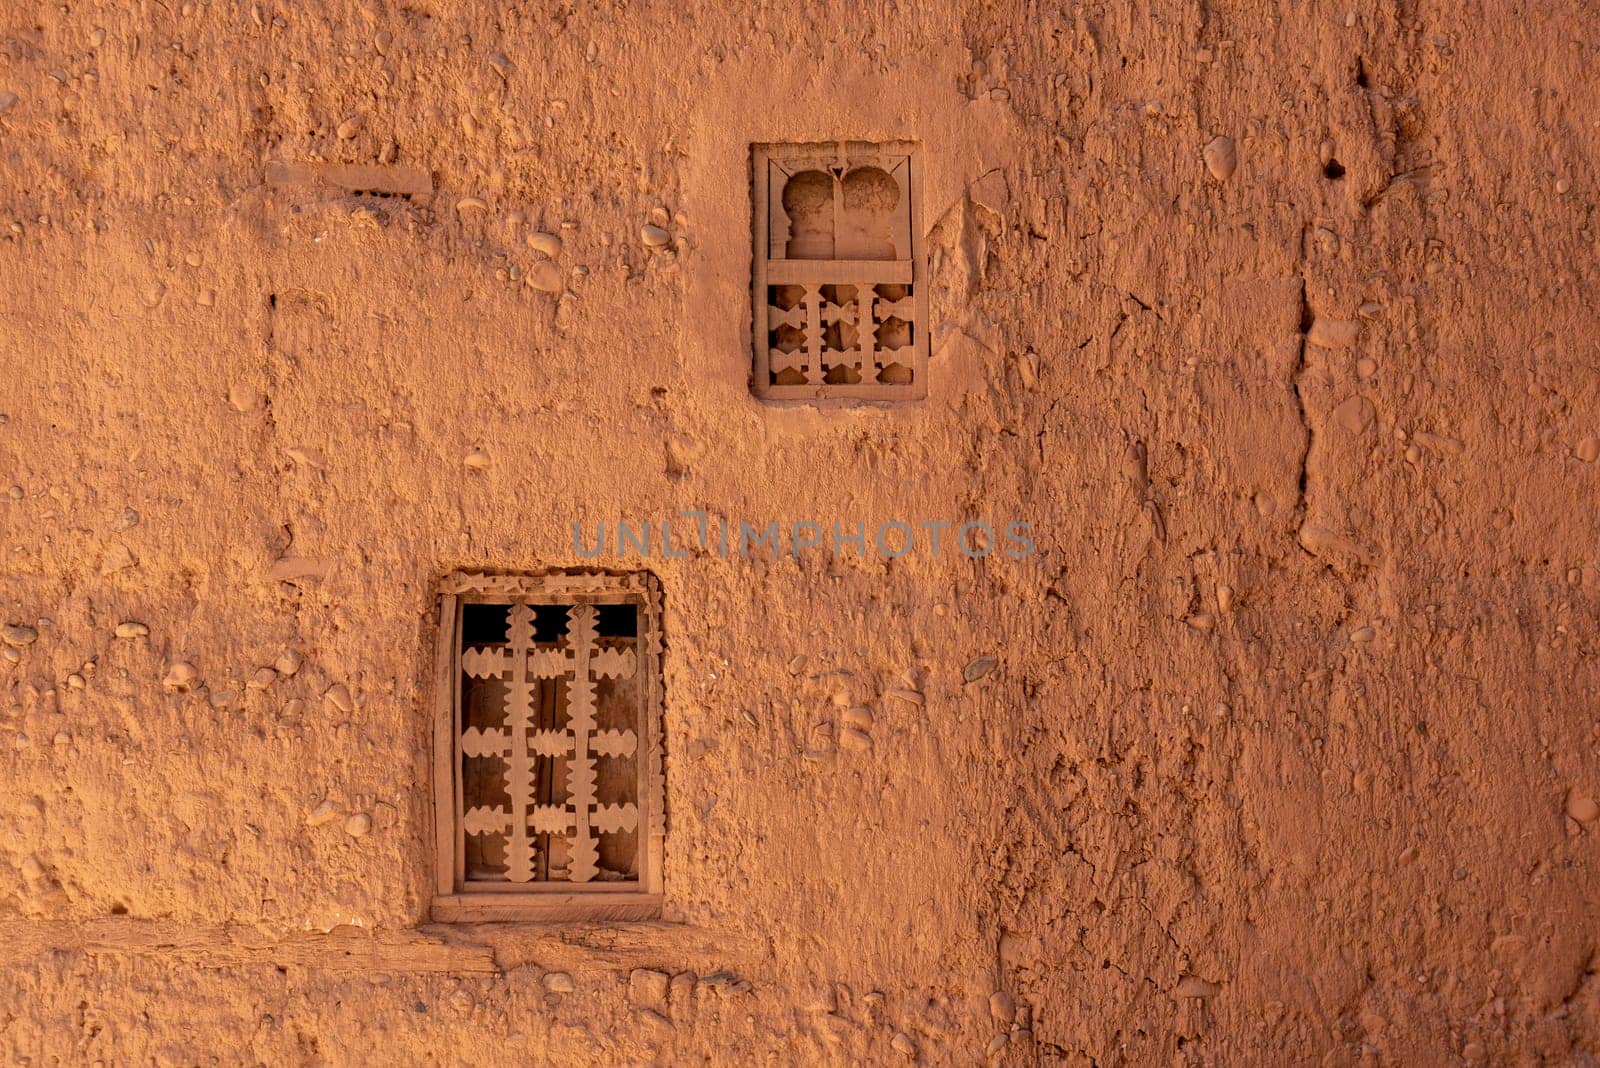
[[1302, 501]]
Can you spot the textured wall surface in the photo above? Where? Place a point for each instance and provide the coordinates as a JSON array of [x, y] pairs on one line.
[[1288, 751]]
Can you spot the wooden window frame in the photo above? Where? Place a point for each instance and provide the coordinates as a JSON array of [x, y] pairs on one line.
[[455, 899], [770, 269]]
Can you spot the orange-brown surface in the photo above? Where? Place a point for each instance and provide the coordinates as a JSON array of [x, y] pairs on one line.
[[1276, 321]]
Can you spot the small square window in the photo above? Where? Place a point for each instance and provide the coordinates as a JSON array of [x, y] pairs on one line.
[[548, 786], [838, 289]]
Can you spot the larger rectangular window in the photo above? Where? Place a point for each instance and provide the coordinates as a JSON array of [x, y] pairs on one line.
[[840, 302], [548, 771]]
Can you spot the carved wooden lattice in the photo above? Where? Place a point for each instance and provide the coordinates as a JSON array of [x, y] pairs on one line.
[[838, 288], [554, 774]]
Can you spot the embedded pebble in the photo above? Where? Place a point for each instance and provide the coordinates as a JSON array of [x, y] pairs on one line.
[[1355, 414], [1002, 1006], [325, 812], [350, 127], [1333, 333], [288, 662], [996, 1045], [127, 520], [1221, 157], [244, 398], [338, 695], [466, 204], [654, 236], [132, 630], [558, 983], [1438, 442], [477, 459], [980, 667], [1028, 369], [647, 987], [797, 664], [7, 101], [180, 676], [859, 717], [358, 825], [912, 696], [1583, 809], [75, 681], [500, 63], [855, 740], [263, 678], [547, 243], [545, 277], [1588, 450], [1363, 634], [223, 699], [1201, 621], [903, 1045], [18, 635]]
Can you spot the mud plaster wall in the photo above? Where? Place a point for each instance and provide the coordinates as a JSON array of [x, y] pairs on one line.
[[1289, 751]]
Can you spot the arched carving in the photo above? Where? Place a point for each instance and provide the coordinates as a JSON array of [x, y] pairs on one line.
[[808, 200]]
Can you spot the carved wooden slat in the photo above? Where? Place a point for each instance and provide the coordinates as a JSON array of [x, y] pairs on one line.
[[484, 663], [840, 272], [867, 302], [550, 819], [519, 769], [613, 663], [582, 848], [903, 309], [614, 743], [813, 346], [794, 317], [548, 663], [786, 361], [483, 820], [550, 743], [609, 819], [480, 742]]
